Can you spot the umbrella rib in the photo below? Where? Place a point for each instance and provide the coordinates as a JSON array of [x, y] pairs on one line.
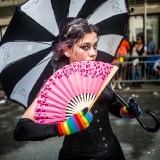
[[49, 43], [44, 61], [95, 10]]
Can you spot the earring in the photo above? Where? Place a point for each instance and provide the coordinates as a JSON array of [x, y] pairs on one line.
[[68, 55]]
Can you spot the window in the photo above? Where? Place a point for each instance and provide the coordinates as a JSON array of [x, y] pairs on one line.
[[142, 1]]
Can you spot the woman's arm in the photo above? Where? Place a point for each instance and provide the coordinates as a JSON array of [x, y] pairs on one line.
[[115, 107], [29, 113], [28, 130], [129, 112]]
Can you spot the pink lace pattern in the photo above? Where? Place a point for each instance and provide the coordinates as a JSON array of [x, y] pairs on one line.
[[70, 89]]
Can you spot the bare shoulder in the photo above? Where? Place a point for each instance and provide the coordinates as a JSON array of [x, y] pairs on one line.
[[29, 113]]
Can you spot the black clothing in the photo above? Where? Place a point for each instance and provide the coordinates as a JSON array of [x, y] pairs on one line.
[[28, 130], [69, 156], [98, 140], [140, 53]]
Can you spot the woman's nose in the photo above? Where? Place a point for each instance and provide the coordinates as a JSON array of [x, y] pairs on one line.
[[92, 52]]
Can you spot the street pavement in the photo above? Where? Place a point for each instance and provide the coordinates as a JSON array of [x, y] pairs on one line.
[[137, 143]]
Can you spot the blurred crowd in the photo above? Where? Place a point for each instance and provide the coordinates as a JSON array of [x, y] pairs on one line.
[[3, 98], [137, 62]]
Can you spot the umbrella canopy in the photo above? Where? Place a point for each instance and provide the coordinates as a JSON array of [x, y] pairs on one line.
[[26, 47]]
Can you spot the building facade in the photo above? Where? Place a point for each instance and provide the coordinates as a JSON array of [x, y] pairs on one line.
[[6, 12], [145, 19]]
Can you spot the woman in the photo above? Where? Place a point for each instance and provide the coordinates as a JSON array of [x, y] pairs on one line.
[[78, 42], [139, 53]]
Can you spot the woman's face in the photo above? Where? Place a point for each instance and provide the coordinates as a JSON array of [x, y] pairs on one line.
[[139, 40], [85, 49]]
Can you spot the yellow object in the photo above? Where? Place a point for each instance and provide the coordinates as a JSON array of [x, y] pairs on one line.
[[121, 59]]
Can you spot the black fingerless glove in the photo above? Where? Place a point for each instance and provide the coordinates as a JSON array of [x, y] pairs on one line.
[[132, 111]]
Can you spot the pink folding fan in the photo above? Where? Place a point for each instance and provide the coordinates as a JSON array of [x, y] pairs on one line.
[[71, 89]]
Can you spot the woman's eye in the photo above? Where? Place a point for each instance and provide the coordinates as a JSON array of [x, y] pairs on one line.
[[84, 47], [95, 46]]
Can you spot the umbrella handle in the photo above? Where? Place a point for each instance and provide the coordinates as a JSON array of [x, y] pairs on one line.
[[139, 119], [156, 119]]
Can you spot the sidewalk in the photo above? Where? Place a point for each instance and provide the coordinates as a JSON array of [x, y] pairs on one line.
[[145, 87]]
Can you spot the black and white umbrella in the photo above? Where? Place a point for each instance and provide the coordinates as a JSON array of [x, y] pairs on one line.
[[26, 47]]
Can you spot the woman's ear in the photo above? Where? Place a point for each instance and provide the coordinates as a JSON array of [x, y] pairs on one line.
[[67, 52]]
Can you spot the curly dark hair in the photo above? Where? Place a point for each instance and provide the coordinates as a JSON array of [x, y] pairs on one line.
[[70, 31]]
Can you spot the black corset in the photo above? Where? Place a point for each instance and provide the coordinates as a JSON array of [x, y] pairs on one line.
[[98, 138]]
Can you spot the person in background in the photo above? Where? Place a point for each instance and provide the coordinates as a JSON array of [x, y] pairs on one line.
[[150, 46], [121, 56], [95, 140], [138, 54], [151, 57], [127, 67], [156, 68], [126, 45], [3, 98]]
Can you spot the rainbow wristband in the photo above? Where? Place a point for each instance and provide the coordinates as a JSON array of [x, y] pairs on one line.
[[125, 114], [75, 123]]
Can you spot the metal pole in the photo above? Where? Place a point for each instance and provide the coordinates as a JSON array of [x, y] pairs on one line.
[[145, 22]]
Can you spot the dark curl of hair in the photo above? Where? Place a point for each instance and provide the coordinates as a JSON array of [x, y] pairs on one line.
[[70, 31]]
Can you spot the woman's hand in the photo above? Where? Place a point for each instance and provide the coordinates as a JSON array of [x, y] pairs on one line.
[[75, 123], [132, 111]]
